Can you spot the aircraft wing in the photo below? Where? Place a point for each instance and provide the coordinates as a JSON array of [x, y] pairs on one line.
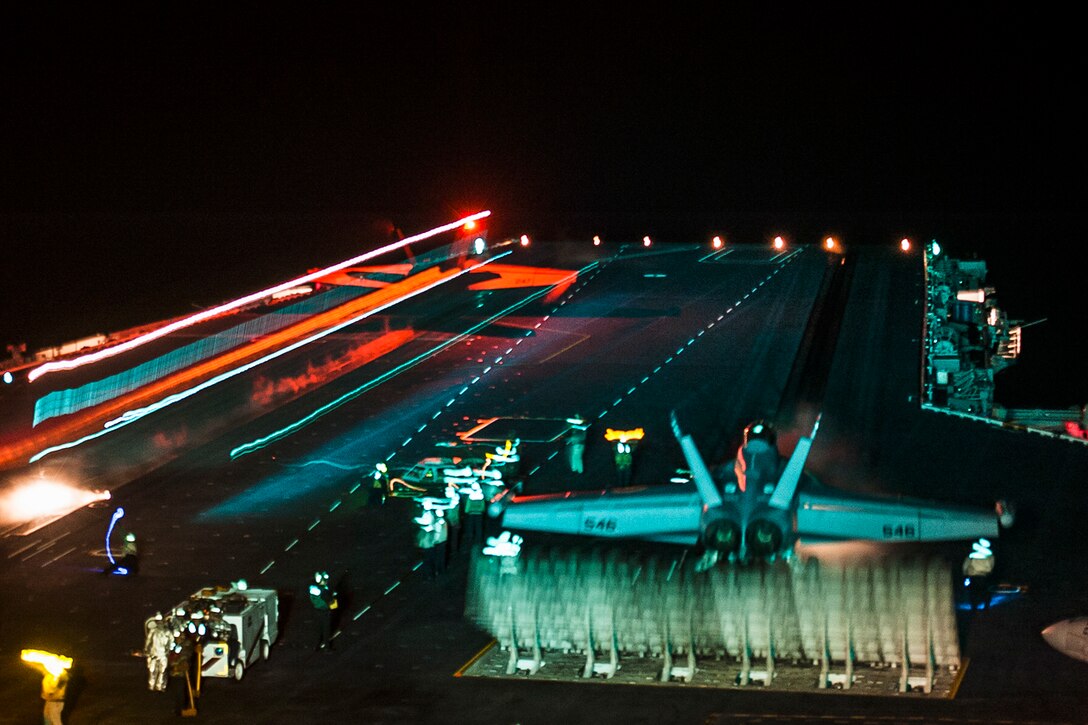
[[377, 276], [657, 513], [505, 276], [826, 514]]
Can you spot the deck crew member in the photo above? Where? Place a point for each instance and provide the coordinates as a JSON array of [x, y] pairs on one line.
[[576, 442], [325, 603], [425, 542], [474, 515], [157, 646]]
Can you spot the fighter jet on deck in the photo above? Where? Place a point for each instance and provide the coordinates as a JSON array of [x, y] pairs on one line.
[[758, 510]]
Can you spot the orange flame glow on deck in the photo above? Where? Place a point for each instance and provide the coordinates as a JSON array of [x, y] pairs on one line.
[[42, 497]]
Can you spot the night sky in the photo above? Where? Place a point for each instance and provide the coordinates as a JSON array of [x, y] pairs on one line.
[[155, 160]]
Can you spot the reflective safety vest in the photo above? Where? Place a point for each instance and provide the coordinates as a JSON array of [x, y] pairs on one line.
[[324, 599]]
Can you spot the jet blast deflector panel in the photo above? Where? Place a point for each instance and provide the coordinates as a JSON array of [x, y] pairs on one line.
[[895, 616]]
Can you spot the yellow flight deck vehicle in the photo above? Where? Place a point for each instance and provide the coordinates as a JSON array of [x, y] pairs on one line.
[[232, 627]]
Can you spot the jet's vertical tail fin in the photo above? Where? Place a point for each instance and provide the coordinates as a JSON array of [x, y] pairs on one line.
[[704, 482], [786, 488]]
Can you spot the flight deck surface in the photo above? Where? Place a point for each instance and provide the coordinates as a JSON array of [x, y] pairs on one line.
[[639, 334]]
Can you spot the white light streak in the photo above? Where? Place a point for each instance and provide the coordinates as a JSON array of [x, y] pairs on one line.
[[238, 303]]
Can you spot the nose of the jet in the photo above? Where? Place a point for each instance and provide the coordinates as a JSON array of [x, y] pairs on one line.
[[1053, 636]]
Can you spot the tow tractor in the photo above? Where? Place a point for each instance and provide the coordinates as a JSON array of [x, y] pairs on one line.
[[436, 473], [426, 476], [431, 476], [232, 627]]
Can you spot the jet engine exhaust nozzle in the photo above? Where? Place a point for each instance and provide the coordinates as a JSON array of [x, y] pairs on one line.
[[721, 533], [764, 538]]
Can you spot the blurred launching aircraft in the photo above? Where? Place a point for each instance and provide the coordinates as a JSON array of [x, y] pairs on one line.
[[494, 276], [758, 510], [471, 243]]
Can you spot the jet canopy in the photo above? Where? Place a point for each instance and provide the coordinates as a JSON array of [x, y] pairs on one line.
[[761, 430]]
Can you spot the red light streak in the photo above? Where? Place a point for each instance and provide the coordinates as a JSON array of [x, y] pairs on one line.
[[171, 441], [91, 419], [513, 275], [240, 302], [267, 391]]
